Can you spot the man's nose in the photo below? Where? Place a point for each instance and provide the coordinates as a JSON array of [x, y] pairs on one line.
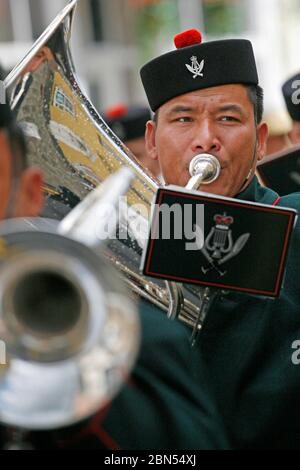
[[205, 138]]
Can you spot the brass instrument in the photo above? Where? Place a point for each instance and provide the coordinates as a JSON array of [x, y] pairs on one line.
[[204, 169], [77, 151], [70, 328]]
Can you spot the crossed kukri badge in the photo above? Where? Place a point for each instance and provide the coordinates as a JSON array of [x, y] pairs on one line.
[[219, 247]]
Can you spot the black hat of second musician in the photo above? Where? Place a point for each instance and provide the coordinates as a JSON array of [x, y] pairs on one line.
[[128, 122], [291, 94], [195, 65]]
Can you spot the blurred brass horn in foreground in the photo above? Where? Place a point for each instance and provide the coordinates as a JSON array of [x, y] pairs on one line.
[[71, 331], [77, 151]]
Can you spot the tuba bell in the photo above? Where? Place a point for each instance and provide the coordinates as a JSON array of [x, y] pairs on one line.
[[77, 151]]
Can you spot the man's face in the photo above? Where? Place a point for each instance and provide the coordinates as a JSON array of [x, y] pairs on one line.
[[27, 198], [218, 120]]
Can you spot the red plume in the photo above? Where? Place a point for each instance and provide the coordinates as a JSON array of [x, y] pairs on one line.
[[117, 111], [190, 37]]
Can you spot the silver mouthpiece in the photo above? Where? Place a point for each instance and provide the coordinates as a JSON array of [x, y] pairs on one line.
[[204, 169]]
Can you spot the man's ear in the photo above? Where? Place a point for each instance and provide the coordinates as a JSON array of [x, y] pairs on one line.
[[262, 137], [30, 198], [150, 140]]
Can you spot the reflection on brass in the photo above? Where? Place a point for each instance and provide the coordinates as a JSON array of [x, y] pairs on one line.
[[77, 151]]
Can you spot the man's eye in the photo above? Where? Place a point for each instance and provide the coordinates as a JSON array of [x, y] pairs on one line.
[[184, 119], [229, 119]]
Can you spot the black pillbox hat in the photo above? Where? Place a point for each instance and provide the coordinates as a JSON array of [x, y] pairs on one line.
[[128, 122], [291, 94], [195, 65]]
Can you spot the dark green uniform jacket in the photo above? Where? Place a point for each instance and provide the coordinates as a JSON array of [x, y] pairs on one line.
[[168, 403], [247, 344]]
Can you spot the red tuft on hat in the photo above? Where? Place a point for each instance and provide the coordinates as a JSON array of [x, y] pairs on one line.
[[190, 37], [117, 111]]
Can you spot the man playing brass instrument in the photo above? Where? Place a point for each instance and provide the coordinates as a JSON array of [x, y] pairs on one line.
[[161, 406], [206, 99]]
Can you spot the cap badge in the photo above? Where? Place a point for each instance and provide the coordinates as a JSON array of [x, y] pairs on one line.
[[195, 68]]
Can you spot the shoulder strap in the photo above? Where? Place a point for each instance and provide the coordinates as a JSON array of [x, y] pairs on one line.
[[274, 203]]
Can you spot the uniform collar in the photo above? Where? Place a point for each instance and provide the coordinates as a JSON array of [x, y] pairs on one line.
[[257, 193]]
